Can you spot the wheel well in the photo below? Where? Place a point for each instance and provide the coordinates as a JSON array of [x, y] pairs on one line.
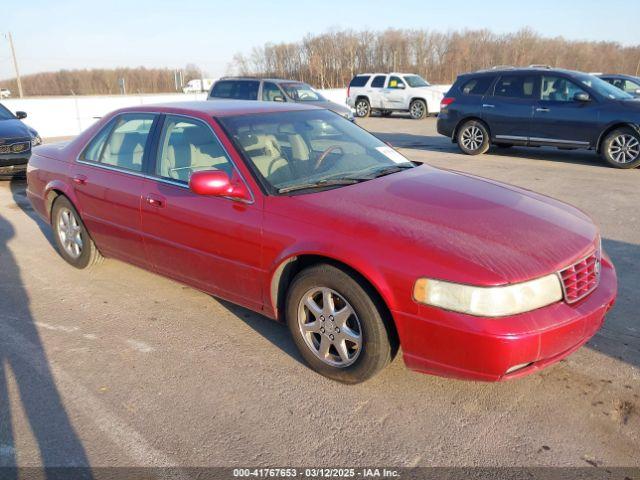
[[289, 269], [454, 137], [50, 198], [362, 97], [610, 129]]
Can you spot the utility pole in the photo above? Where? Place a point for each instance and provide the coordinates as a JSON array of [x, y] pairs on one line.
[[15, 63]]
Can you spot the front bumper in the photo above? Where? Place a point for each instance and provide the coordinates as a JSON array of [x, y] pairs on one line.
[[13, 164], [462, 346]]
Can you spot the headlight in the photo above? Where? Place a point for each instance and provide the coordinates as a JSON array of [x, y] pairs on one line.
[[35, 141], [489, 301]]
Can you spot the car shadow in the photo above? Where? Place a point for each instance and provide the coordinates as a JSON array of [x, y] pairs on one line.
[[438, 143], [18, 186], [24, 363], [620, 336], [275, 332]]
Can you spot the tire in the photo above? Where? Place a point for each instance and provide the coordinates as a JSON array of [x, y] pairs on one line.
[[621, 148], [473, 138], [363, 108], [365, 323], [418, 109], [71, 236]]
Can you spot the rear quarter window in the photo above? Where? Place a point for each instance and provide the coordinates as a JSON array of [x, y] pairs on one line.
[[477, 85], [236, 89], [359, 80]]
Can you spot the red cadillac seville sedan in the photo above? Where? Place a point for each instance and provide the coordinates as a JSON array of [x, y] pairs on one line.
[[301, 215]]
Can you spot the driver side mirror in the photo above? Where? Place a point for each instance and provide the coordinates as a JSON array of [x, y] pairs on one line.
[[278, 98], [637, 91], [400, 86], [216, 183], [581, 97], [20, 115]]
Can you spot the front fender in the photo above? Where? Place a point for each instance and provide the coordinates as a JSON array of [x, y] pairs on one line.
[[350, 258]]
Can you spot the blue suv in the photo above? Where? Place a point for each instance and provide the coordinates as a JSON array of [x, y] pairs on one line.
[[541, 106]]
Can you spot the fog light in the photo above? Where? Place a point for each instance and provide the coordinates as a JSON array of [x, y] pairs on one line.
[[515, 368]]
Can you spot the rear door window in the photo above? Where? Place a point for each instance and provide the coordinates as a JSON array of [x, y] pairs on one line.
[[378, 81], [236, 89], [359, 80], [516, 86], [122, 142], [477, 85]]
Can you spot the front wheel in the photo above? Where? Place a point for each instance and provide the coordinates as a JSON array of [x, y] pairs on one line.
[[363, 109], [337, 326], [71, 236], [418, 109], [621, 148], [473, 138]]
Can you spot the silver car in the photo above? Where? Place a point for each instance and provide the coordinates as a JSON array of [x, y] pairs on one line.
[[273, 90]]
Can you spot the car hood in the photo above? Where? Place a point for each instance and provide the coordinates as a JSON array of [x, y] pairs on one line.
[[435, 88], [477, 228], [329, 105], [14, 128]]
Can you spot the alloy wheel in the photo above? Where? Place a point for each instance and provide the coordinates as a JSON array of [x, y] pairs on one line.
[[472, 138], [330, 327], [624, 149], [362, 108], [417, 109], [70, 233]]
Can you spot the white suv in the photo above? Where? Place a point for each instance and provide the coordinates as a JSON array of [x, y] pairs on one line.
[[394, 92], [5, 93]]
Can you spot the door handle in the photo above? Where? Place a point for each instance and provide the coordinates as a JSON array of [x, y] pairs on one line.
[[155, 201], [488, 105], [540, 109], [80, 179]]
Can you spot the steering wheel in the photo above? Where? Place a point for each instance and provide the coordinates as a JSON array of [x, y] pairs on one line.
[[324, 155]]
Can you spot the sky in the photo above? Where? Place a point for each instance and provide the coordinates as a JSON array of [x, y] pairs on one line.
[[56, 34]]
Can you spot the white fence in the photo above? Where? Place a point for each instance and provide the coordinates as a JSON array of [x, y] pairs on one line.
[[67, 116]]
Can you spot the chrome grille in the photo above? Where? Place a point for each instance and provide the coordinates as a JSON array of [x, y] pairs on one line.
[[581, 278]]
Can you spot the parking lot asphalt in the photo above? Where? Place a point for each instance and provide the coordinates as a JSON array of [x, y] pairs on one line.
[[120, 367]]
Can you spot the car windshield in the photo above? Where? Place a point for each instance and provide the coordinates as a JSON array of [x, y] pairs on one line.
[[5, 114], [310, 149], [301, 92], [604, 88], [416, 81]]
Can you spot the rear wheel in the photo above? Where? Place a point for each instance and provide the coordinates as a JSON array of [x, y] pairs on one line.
[[418, 109], [337, 326], [71, 237], [621, 148], [363, 109], [473, 138]]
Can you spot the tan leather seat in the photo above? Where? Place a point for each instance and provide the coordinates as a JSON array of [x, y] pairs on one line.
[[264, 152], [125, 150]]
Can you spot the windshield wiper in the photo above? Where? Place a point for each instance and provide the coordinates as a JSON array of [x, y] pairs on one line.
[[384, 171], [320, 184]]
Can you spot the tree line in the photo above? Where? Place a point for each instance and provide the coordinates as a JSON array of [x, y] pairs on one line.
[[101, 81], [332, 58]]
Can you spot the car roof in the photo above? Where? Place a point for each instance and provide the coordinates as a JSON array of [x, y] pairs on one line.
[[221, 108], [529, 69], [617, 75], [258, 79]]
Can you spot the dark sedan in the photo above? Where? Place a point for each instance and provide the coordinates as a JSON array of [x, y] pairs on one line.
[[16, 140], [627, 83]]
